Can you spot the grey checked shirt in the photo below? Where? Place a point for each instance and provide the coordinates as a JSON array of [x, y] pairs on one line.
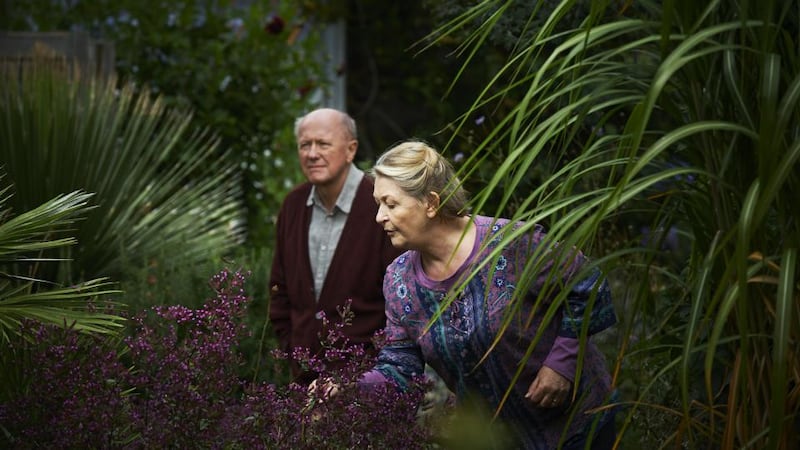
[[325, 229]]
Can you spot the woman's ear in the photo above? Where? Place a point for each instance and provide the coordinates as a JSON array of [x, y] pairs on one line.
[[432, 208]]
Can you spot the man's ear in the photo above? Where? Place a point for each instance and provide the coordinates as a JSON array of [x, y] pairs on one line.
[[433, 201], [352, 147]]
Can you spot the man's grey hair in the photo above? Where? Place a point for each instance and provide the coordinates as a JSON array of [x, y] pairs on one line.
[[348, 123]]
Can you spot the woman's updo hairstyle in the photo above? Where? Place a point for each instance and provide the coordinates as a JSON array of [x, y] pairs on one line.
[[418, 170]]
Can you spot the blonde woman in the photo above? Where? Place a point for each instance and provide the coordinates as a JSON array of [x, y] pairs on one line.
[[423, 210]]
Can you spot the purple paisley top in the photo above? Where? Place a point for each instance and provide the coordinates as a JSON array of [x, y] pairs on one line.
[[459, 338]]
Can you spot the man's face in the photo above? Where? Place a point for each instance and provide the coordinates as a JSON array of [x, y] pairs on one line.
[[325, 149]]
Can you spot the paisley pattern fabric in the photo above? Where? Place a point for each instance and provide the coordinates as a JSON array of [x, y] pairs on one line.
[[477, 340]]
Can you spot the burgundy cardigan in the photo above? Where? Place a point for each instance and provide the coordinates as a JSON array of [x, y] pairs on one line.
[[356, 272]]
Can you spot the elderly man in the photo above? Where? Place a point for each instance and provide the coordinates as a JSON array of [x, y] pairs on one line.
[[329, 250]]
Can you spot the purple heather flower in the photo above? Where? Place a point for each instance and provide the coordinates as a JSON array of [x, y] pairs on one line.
[[175, 384]]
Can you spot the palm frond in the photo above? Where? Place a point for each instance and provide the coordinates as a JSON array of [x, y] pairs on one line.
[[26, 296], [162, 186]]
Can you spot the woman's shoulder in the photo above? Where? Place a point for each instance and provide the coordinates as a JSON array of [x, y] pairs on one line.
[[499, 223], [491, 226], [398, 278], [403, 262], [495, 230], [494, 223]]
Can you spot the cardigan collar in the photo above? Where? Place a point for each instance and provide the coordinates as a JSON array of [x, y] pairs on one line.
[[345, 200]]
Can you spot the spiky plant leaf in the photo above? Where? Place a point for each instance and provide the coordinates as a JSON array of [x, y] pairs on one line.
[[23, 293], [162, 187], [682, 117]]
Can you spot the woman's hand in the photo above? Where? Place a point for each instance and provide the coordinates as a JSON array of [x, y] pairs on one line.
[[322, 388], [318, 391], [549, 389]]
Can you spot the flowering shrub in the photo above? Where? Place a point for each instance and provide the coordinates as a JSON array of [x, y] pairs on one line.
[[75, 396], [172, 382]]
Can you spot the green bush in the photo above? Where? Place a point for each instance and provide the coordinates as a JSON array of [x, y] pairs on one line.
[[245, 71], [161, 186]]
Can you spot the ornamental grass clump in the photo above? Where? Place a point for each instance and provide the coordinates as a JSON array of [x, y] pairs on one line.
[[173, 382]]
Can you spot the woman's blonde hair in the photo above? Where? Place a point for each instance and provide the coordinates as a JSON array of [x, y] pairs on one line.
[[418, 170]]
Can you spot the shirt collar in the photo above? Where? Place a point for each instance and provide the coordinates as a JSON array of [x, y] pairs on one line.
[[345, 200]]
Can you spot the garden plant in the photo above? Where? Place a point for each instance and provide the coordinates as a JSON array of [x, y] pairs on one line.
[[25, 296], [246, 70], [171, 381], [670, 140]]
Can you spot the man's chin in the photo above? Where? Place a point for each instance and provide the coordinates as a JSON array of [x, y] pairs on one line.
[[317, 177]]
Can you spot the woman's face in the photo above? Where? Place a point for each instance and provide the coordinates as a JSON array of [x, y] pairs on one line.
[[403, 217]]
